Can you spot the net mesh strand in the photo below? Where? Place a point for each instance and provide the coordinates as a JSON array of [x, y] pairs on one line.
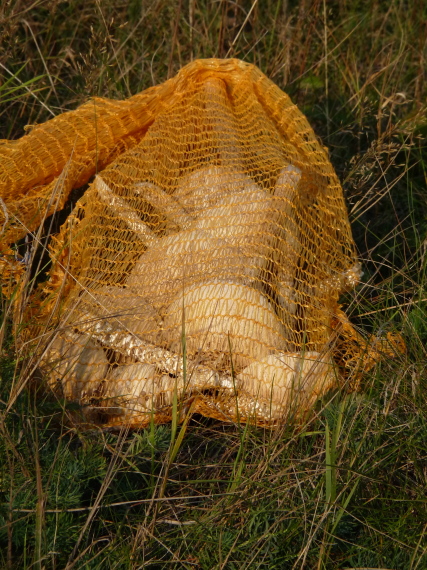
[[205, 260]]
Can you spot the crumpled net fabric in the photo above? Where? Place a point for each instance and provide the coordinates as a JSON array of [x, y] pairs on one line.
[[201, 270]]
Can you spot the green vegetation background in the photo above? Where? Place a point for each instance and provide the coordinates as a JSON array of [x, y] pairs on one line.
[[349, 489]]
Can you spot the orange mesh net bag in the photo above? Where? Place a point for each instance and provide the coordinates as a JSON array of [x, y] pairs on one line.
[[204, 263]]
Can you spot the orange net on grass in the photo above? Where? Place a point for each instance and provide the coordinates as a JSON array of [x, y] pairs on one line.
[[205, 260]]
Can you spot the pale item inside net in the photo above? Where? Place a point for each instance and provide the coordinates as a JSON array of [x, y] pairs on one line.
[[204, 263]]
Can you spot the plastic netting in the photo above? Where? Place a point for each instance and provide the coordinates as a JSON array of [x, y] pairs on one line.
[[204, 263]]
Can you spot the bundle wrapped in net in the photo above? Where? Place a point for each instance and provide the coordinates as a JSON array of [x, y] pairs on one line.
[[204, 263]]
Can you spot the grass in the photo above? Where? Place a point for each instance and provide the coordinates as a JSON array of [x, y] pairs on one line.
[[346, 490]]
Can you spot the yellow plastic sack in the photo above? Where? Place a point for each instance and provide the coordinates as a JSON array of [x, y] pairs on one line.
[[204, 263]]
